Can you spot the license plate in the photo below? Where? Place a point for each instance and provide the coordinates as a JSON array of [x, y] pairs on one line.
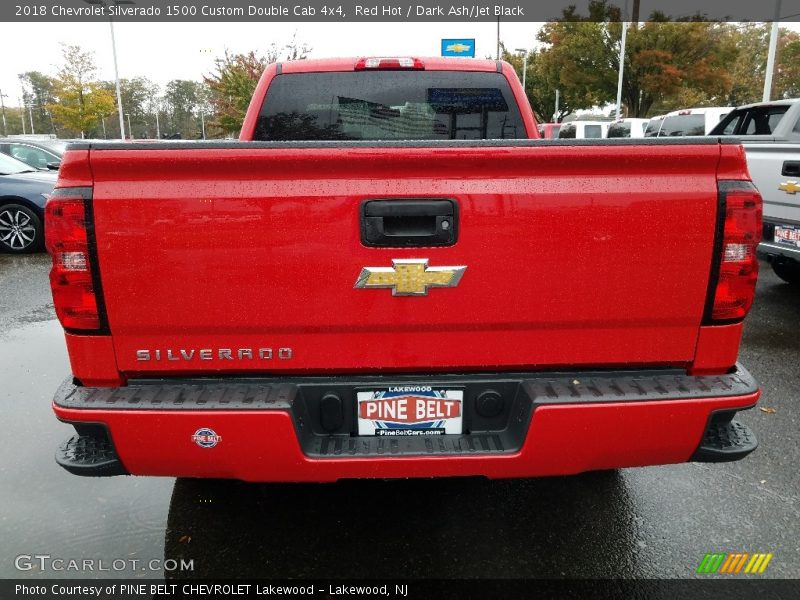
[[786, 234], [410, 410]]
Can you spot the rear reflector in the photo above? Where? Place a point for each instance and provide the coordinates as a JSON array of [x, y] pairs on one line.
[[389, 64], [71, 278], [73, 261], [736, 271]]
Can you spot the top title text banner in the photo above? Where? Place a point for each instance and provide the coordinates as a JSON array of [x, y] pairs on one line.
[[421, 10]]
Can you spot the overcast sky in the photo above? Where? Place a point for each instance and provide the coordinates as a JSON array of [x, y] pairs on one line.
[[166, 51]]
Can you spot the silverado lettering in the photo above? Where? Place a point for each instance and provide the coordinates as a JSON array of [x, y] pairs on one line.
[[598, 326], [211, 354]]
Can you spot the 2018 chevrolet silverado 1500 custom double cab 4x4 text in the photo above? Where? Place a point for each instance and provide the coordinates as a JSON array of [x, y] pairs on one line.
[[385, 278]]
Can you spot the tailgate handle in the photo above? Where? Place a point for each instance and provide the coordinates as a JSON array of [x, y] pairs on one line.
[[791, 168], [409, 222]]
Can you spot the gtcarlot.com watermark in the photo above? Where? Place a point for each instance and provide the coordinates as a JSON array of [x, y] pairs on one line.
[[56, 564]]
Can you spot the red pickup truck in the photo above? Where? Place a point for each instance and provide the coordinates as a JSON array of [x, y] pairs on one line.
[[386, 277]]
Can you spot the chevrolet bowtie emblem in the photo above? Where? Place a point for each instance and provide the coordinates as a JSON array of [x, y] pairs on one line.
[[409, 277], [458, 48], [790, 187]]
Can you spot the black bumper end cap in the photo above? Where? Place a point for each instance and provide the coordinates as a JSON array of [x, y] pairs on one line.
[[726, 442], [89, 456]]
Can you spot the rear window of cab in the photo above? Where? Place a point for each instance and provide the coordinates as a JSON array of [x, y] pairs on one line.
[[680, 125], [389, 105], [619, 130]]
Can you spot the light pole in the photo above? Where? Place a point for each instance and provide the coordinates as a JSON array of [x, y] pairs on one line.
[[3, 105], [555, 114], [498, 38], [52, 124], [30, 115], [130, 131], [155, 104], [114, 51], [524, 66], [621, 64], [22, 115]]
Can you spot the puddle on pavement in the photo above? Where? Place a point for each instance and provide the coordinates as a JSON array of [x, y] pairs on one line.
[[235, 529], [45, 510]]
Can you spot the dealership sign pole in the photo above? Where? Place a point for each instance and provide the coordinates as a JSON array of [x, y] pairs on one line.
[[524, 66], [116, 70], [116, 78], [773, 43], [3, 105], [624, 24], [621, 68]]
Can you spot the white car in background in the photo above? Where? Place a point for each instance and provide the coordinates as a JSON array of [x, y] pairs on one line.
[[627, 128], [692, 121], [653, 126], [583, 130]]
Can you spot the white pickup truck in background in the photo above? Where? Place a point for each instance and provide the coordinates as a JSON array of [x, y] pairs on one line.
[[770, 133]]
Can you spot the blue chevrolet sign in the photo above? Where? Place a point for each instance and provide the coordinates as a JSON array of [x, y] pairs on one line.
[[462, 47]]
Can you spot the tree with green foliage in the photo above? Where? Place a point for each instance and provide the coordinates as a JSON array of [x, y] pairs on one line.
[[205, 107], [137, 95], [79, 102], [37, 93], [15, 116], [575, 57], [749, 43], [787, 71], [667, 64], [180, 104], [541, 93], [671, 65], [232, 87]]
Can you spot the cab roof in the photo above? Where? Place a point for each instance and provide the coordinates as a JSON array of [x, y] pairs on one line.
[[700, 110], [786, 102], [437, 63]]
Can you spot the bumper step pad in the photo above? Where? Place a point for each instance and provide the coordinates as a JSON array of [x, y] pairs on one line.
[[89, 455], [724, 442], [364, 446]]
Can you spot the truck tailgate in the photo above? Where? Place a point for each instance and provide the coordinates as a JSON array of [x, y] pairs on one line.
[[574, 255]]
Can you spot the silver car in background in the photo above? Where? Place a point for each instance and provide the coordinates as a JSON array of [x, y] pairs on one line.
[[770, 134]]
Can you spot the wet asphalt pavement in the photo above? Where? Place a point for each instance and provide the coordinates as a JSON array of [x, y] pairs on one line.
[[652, 522]]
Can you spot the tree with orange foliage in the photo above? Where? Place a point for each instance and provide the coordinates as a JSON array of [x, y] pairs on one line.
[[234, 80]]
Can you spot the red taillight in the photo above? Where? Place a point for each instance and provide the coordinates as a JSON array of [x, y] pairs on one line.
[[71, 278], [737, 266], [389, 64]]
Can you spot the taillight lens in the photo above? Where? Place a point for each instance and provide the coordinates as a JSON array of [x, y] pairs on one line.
[[71, 279], [737, 261]]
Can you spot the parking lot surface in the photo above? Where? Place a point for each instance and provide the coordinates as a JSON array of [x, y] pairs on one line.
[[652, 522]]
